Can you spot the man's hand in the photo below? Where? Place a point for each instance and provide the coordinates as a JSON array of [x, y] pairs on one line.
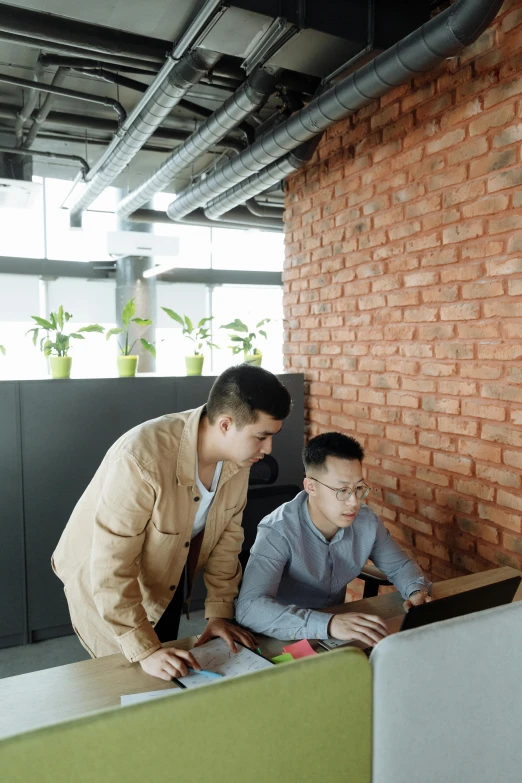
[[356, 627], [416, 599], [228, 632], [169, 662]]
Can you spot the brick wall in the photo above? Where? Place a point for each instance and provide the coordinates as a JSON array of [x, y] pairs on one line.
[[403, 294]]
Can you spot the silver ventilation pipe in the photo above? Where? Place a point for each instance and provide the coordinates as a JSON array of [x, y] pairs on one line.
[[248, 97], [261, 181], [30, 105], [187, 72], [236, 219], [445, 35], [260, 210]]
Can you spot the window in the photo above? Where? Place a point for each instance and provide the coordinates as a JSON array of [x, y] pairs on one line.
[[250, 304], [249, 250]]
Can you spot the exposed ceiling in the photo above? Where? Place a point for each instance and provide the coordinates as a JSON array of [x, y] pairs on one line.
[[308, 44]]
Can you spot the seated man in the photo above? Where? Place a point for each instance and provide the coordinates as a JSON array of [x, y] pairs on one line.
[[307, 550]]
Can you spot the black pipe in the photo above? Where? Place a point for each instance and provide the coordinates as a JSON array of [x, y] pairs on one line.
[[55, 155], [96, 38], [45, 108], [116, 105], [236, 219], [133, 84], [51, 60], [103, 125]]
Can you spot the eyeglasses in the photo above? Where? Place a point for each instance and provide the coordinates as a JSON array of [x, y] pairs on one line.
[[361, 491]]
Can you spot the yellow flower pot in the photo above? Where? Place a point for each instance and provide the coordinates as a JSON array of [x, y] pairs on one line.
[[254, 358], [60, 366], [127, 366], [194, 364]]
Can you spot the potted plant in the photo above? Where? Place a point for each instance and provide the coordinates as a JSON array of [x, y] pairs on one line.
[[57, 348], [245, 340], [200, 336], [127, 361]]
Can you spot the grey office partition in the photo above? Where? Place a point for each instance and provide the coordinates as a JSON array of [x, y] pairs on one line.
[[67, 427], [54, 436], [12, 568]]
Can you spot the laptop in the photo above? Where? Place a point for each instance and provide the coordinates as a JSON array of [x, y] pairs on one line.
[[476, 600]]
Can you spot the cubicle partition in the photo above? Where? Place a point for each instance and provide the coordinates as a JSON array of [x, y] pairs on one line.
[[54, 436]]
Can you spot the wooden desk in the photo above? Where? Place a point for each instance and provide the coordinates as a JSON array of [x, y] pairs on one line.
[[40, 698]]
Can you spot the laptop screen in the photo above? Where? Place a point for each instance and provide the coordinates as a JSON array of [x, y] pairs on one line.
[[475, 600]]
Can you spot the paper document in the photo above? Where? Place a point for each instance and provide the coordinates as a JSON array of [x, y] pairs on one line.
[[217, 656]]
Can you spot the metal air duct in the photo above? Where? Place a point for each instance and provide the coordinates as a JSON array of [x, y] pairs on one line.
[[443, 36]]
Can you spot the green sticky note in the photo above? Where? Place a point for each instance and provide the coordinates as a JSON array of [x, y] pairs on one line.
[[282, 658]]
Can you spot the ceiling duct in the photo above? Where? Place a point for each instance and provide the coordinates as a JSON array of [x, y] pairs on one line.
[[311, 38], [445, 35]]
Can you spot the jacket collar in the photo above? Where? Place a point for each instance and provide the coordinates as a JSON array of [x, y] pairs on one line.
[[188, 446]]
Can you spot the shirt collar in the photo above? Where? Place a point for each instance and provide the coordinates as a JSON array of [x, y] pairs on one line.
[[306, 515], [188, 446]]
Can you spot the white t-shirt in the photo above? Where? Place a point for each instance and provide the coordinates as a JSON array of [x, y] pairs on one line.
[[206, 498]]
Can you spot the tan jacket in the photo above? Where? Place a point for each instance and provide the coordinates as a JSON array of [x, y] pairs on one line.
[[123, 550]]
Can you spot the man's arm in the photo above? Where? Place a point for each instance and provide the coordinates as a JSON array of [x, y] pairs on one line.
[[397, 565], [123, 512], [257, 607]]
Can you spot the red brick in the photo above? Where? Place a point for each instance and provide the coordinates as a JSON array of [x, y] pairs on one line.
[[432, 477], [499, 517], [457, 426], [478, 529], [462, 231], [504, 435], [416, 418], [436, 331], [434, 440], [502, 392], [513, 458], [482, 290], [414, 454], [498, 557], [416, 524], [491, 412], [402, 434], [513, 543], [392, 499], [498, 476], [479, 450], [431, 547], [455, 464]]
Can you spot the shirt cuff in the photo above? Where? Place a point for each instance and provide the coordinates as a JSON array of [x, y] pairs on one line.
[[425, 587], [139, 643], [317, 625]]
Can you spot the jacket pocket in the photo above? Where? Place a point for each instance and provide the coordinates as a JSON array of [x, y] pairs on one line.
[[158, 553]]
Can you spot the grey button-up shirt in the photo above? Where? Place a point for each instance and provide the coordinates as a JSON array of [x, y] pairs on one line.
[[294, 570]]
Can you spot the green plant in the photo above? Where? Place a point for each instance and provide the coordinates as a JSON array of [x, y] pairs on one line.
[[60, 344], [2, 350], [244, 341], [199, 333], [127, 320]]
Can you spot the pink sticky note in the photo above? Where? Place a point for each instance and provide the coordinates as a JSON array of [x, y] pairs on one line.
[[300, 649]]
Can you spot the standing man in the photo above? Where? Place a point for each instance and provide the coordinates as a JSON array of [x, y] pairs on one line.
[[307, 550], [165, 503]]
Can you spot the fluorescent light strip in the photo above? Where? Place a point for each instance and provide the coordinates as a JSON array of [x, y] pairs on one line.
[[158, 270]]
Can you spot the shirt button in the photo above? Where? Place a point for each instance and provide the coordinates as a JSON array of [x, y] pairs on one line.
[[196, 499], [172, 587], [187, 543]]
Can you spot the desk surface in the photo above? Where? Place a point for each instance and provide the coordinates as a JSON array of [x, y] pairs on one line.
[[40, 698]]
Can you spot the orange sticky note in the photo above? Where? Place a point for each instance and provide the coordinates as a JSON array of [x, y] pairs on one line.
[[300, 649]]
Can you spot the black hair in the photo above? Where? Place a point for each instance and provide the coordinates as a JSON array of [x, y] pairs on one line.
[[244, 390], [330, 444]]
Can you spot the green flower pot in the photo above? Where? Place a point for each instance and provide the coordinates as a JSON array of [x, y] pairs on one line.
[[194, 364], [127, 366], [254, 358], [60, 366]]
